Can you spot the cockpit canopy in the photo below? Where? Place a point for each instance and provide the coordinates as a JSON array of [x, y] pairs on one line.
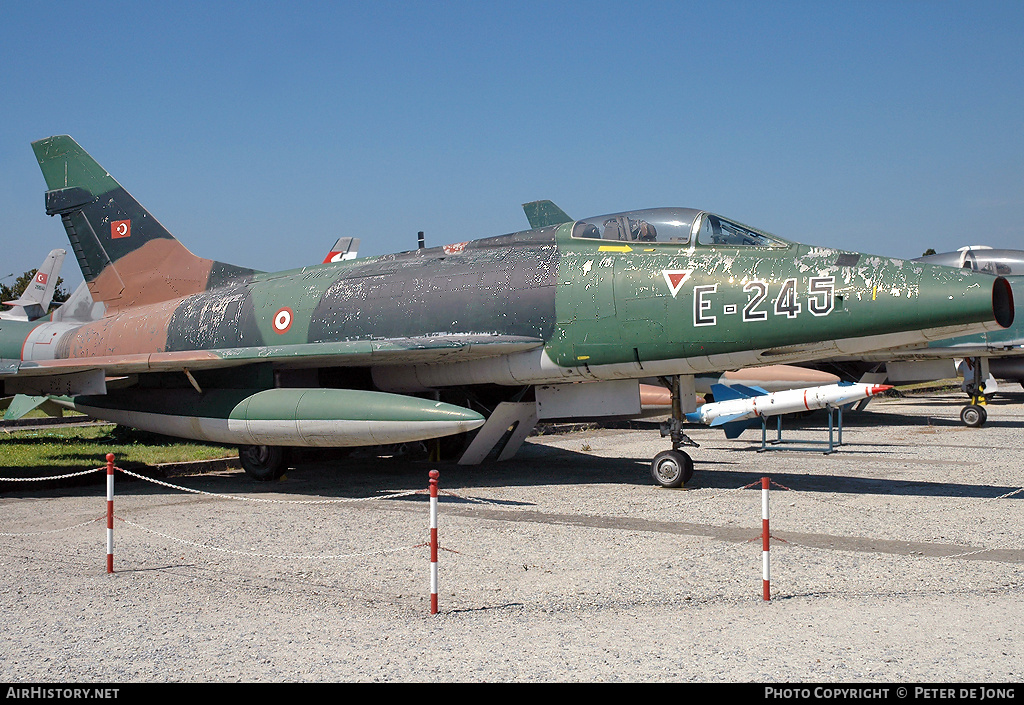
[[675, 226], [981, 259]]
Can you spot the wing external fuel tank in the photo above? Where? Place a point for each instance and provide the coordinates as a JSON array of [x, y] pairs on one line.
[[361, 351], [308, 417]]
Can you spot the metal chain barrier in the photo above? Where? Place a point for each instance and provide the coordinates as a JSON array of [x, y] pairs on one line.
[[111, 467], [194, 544], [922, 514], [404, 493], [53, 531], [51, 477], [432, 544], [65, 476], [727, 547]]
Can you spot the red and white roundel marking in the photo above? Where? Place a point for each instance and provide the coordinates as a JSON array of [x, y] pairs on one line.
[[283, 320]]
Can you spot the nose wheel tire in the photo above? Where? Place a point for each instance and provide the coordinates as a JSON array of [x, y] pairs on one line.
[[263, 463], [973, 415], [672, 468]]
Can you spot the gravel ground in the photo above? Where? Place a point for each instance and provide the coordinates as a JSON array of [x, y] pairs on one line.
[[896, 559]]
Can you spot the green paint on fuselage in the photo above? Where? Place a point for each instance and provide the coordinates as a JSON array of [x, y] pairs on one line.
[[618, 306]]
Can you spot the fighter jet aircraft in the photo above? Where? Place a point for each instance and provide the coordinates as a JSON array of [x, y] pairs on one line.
[[35, 301], [33, 304], [489, 334]]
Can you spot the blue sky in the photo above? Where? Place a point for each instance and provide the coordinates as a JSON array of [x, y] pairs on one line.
[[260, 132]]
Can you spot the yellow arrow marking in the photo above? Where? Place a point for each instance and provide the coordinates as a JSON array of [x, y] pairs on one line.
[[614, 248]]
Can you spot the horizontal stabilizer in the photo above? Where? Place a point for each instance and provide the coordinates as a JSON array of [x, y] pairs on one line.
[[22, 404]]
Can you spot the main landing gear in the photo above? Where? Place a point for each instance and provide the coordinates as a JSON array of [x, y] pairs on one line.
[[674, 468], [263, 463]]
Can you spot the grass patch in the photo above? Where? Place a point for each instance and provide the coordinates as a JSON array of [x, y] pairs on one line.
[[72, 448]]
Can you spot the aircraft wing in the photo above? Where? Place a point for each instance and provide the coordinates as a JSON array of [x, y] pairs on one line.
[[394, 351]]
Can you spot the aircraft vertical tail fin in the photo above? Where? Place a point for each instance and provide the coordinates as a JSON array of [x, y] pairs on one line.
[[35, 301], [127, 257], [544, 213], [345, 248]]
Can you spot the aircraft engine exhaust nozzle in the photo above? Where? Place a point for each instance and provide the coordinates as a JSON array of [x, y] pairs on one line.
[[283, 417]]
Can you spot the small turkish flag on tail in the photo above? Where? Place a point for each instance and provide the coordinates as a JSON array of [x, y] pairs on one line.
[[121, 228]]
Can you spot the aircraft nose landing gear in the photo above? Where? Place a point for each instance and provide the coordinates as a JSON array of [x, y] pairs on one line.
[[674, 468], [974, 414]]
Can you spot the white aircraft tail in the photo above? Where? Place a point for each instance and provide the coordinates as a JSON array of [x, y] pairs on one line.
[[35, 300]]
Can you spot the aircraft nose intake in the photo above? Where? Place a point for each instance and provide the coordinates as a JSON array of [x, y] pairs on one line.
[[1002, 302]]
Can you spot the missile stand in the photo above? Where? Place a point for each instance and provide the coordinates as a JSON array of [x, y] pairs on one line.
[[674, 468]]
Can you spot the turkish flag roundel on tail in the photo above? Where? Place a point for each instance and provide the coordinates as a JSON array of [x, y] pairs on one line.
[[120, 228]]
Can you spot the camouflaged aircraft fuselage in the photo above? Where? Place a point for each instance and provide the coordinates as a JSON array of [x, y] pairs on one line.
[[666, 291]]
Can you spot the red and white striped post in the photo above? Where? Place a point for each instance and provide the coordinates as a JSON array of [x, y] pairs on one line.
[[110, 512], [765, 561], [434, 474]]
